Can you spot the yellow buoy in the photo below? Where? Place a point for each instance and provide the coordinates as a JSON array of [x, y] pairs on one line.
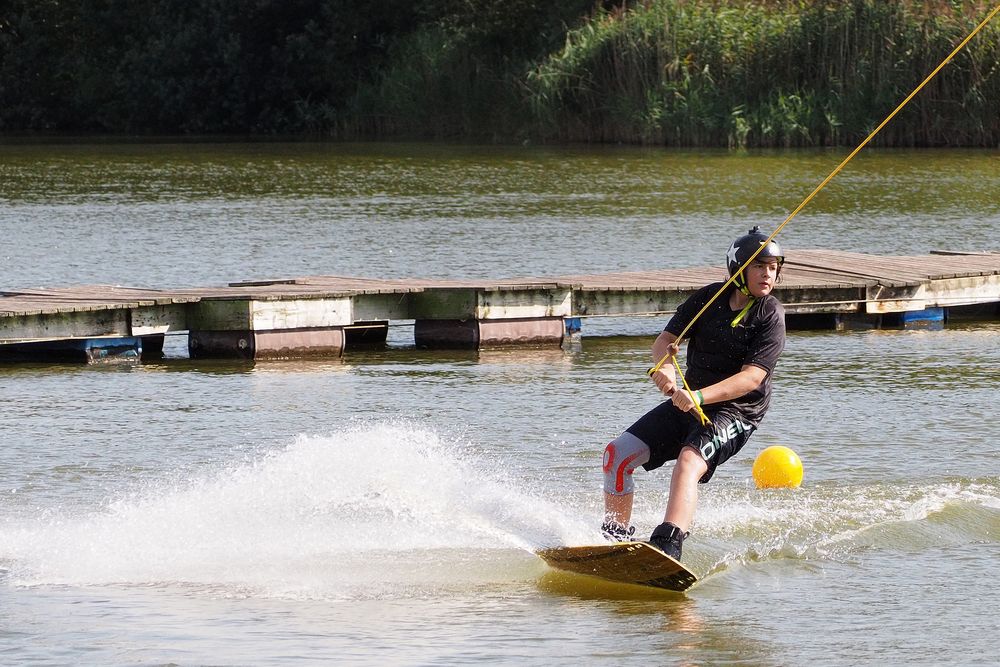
[[777, 467]]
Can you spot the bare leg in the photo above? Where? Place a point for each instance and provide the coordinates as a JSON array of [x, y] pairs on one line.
[[684, 488], [618, 509]]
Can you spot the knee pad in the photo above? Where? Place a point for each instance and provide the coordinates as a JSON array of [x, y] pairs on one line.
[[623, 455]]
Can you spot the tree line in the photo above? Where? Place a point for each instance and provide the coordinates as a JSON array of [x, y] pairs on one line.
[[670, 72]]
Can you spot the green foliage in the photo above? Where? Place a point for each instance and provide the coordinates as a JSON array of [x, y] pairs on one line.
[[198, 66], [459, 74], [32, 82], [756, 73], [736, 73]]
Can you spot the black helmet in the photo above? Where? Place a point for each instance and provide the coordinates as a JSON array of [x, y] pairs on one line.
[[747, 245]]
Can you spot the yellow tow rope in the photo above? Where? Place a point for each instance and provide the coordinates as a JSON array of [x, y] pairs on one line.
[[701, 415]]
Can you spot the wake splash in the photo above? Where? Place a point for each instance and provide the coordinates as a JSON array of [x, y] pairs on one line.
[[389, 510], [323, 514], [837, 522]]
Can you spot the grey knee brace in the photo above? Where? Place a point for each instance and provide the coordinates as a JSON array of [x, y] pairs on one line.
[[623, 455]]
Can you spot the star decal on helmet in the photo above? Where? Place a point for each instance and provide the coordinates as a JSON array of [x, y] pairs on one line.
[[731, 255]]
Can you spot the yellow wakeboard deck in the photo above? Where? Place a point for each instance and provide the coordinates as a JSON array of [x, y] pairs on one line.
[[636, 563]]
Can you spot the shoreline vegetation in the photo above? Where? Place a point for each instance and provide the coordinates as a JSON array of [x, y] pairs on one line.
[[723, 73]]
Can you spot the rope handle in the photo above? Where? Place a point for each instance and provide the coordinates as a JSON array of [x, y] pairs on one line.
[[702, 417]]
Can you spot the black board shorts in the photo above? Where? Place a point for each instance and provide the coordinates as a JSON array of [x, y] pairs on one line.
[[666, 430]]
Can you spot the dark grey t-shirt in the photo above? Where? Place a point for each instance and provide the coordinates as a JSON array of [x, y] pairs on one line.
[[717, 350]]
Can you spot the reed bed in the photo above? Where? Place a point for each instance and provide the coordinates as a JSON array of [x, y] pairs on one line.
[[763, 74]]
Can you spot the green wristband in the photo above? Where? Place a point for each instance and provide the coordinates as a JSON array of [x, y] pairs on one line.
[[701, 399]]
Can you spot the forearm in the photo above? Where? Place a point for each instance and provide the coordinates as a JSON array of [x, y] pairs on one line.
[[734, 386], [661, 346], [664, 377]]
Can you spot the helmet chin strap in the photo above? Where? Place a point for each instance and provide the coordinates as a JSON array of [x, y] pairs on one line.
[[741, 284]]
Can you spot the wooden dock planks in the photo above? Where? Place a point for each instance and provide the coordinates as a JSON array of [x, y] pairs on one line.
[[85, 298], [811, 281]]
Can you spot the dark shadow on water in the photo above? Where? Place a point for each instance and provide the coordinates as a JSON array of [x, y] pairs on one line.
[[682, 627], [592, 588]]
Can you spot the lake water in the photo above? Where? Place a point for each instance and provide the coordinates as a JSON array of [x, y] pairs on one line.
[[382, 508]]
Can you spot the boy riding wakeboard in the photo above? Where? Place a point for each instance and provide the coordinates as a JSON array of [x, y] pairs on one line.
[[732, 351]]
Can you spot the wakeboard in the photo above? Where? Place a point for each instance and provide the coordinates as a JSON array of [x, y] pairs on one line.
[[638, 563]]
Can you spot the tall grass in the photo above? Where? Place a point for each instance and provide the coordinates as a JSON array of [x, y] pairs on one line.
[[748, 73], [437, 87]]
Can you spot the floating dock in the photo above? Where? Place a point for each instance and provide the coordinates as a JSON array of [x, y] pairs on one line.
[[324, 315]]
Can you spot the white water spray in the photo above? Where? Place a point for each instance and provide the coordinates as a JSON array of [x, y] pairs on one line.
[[359, 505]]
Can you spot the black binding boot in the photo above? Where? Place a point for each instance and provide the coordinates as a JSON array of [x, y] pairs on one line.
[[669, 539]]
